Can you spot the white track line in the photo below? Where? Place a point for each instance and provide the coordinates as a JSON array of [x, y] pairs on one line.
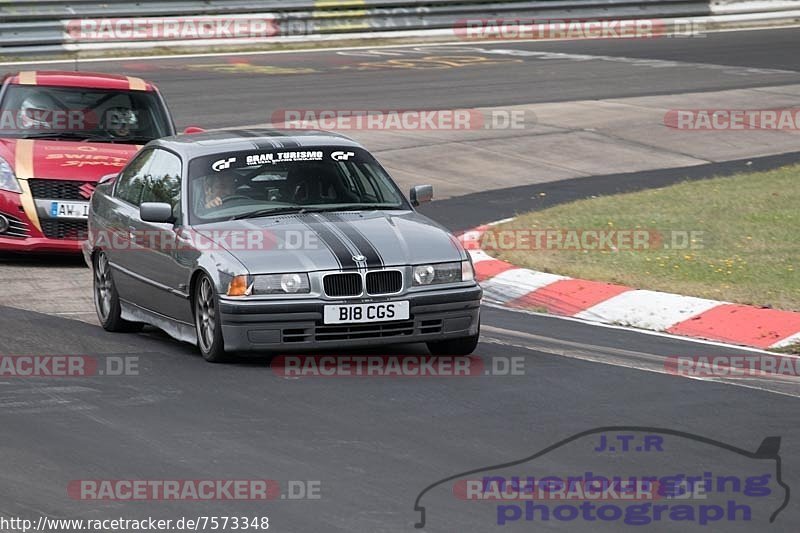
[[622, 359], [637, 330]]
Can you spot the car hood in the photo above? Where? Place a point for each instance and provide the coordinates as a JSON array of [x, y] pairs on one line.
[[329, 241], [53, 159]]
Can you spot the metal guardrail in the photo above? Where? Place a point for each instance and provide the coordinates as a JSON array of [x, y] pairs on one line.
[[27, 10], [30, 27]]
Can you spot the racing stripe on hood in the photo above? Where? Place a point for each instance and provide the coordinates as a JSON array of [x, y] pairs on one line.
[[23, 167], [364, 246], [339, 249], [23, 159]]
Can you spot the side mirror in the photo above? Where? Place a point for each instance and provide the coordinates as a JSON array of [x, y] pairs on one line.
[[157, 212], [421, 194], [191, 130], [107, 179]]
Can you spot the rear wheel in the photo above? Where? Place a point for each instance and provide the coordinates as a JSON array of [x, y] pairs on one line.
[[106, 299], [207, 323], [459, 346]]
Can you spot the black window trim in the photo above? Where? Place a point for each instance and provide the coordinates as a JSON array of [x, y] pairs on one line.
[[182, 165], [137, 155]]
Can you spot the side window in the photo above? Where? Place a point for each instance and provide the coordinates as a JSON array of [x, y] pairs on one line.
[[131, 181], [163, 180]]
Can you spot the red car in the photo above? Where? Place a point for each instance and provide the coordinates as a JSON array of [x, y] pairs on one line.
[[60, 132]]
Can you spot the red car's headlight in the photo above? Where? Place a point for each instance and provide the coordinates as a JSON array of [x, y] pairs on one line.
[[8, 181]]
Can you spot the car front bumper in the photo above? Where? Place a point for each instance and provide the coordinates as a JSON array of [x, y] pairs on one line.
[[42, 244], [298, 325], [23, 233]]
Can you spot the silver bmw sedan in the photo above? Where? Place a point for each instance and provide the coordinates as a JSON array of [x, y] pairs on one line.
[[275, 241]]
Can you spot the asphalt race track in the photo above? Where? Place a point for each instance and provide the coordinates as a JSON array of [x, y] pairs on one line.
[[230, 91], [372, 445]]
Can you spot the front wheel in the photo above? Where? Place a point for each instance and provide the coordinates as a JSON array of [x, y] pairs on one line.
[[106, 298], [207, 322], [460, 346]]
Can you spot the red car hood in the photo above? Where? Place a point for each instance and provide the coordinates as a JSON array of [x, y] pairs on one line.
[[53, 159]]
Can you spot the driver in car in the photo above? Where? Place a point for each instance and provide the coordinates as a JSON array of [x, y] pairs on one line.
[[121, 121], [217, 188]]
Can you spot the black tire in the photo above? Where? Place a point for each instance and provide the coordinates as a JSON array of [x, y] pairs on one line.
[[207, 323], [106, 298], [459, 346]]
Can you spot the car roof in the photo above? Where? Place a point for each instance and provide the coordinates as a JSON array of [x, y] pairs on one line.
[[241, 140], [88, 80]]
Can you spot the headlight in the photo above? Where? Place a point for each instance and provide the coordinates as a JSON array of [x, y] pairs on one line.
[[424, 274], [8, 181], [295, 283], [442, 273]]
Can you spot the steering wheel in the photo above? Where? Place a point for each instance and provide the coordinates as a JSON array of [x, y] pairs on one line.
[[235, 197]]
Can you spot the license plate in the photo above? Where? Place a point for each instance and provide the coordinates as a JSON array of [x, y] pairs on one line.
[[69, 209], [360, 313]]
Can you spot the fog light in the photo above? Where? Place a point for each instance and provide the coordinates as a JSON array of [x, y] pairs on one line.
[[4, 224]]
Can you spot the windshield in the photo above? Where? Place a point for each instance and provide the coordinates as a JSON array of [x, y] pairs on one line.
[[262, 183], [97, 115]]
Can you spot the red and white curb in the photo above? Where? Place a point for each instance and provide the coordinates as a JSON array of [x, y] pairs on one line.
[[520, 288]]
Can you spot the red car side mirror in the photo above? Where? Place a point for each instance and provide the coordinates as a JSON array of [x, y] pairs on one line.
[[190, 130]]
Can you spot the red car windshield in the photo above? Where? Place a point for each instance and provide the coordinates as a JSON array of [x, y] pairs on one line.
[[97, 115]]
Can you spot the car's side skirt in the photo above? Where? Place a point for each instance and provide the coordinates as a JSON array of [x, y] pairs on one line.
[[176, 329]]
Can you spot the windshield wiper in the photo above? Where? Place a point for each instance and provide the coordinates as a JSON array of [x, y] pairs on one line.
[[365, 207], [137, 140], [313, 209], [84, 136], [71, 135], [298, 209]]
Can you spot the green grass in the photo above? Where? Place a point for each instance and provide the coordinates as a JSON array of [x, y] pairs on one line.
[[793, 348], [748, 251]]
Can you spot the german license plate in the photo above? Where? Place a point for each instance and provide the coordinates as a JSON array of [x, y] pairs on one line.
[[69, 209], [363, 313]]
